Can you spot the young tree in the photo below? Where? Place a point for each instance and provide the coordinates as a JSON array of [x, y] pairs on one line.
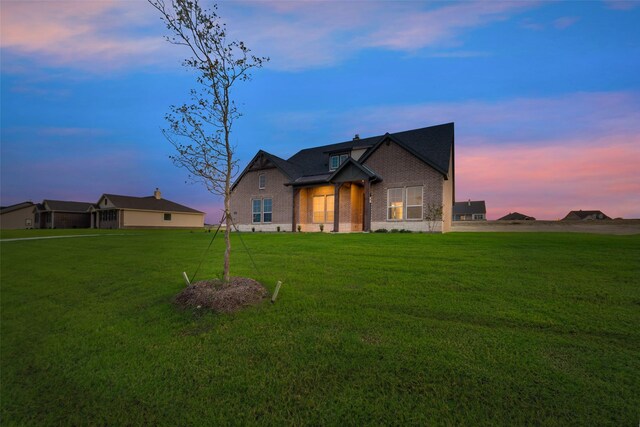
[[200, 131], [433, 215]]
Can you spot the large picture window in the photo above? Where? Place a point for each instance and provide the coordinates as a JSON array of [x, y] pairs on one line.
[[404, 203], [261, 210], [323, 208]]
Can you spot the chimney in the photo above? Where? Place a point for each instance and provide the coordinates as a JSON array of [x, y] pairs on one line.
[[469, 202], [157, 194], [356, 137]]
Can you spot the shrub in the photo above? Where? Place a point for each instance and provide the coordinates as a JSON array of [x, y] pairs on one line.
[[394, 230], [253, 229], [321, 228], [381, 230], [278, 228], [299, 228]]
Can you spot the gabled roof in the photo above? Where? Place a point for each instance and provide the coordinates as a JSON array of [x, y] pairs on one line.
[[469, 207], [66, 206], [149, 203], [17, 206], [351, 170], [288, 169], [433, 145], [586, 214], [516, 216]]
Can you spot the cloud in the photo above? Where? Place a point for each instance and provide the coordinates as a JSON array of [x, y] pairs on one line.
[[565, 22], [93, 35], [621, 4], [108, 35]]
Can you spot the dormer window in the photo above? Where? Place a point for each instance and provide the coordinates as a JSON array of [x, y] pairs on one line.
[[262, 181], [336, 160]]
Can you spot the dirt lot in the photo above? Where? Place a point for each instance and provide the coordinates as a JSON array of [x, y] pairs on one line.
[[625, 226]]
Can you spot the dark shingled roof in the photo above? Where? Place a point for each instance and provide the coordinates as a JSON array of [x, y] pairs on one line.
[[11, 208], [432, 145], [516, 216], [66, 206], [149, 203], [586, 214], [469, 207]]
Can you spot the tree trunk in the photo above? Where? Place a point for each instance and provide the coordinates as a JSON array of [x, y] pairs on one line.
[[227, 239]]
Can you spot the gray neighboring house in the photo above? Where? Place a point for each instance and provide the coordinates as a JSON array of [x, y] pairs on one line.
[[18, 216], [62, 214], [387, 181], [470, 211], [585, 215], [516, 216]]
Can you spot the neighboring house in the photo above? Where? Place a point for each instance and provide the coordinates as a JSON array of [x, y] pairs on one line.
[[584, 215], [18, 216], [386, 181], [62, 214], [115, 211], [470, 211], [516, 216]]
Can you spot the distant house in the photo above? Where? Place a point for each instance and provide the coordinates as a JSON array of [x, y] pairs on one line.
[[18, 216], [585, 215], [62, 214], [516, 216], [116, 211], [470, 211]]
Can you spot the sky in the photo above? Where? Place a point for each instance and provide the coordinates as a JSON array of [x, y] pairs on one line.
[[545, 96]]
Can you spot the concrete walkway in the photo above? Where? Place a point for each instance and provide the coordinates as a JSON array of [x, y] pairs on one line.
[[61, 237]]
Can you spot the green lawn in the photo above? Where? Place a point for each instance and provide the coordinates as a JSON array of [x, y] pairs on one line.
[[474, 329]]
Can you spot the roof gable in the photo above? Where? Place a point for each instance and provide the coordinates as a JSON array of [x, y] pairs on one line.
[[66, 206], [351, 170], [263, 160], [17, 206]]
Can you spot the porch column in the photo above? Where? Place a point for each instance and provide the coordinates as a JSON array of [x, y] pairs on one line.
[[367, 206], [52, 218], [336, 209], [295, 192]]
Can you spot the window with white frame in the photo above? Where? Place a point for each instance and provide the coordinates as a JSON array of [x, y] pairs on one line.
[[478, 216], [267, 206], [323, 208], [262, 181], [256, 210], [336, 160], [404, 203]]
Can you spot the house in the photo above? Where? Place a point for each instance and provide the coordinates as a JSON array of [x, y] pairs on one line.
[[62, 214], [470, 211], [584, 215], [116, 211], [516, 216], [18, 216], [382, 182]]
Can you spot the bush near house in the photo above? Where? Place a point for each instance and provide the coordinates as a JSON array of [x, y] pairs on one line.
[[486, 328]]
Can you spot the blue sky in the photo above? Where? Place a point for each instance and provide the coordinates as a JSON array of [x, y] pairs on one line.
[[545, 95]]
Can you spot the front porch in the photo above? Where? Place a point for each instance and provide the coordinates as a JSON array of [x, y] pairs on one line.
[[333, 208]]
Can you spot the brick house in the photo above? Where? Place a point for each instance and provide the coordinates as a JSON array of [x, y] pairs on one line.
[[388, 181]]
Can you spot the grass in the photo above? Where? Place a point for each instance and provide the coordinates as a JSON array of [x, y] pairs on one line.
[[482, 329]]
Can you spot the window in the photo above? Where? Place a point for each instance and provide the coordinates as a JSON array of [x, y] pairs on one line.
[[167, 217], [336, 160], [404, 203], [478, 216], [414, 202], [262, 181], [266, 210], [395, 206], [323, 208], [256, 210]]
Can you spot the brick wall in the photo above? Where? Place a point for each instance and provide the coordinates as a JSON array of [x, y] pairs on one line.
[[399, 168], [247, 190]]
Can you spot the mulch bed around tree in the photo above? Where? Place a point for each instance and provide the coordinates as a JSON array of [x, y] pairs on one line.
[[220, 297]]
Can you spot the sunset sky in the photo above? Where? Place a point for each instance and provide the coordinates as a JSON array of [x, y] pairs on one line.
[[545, 96]]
